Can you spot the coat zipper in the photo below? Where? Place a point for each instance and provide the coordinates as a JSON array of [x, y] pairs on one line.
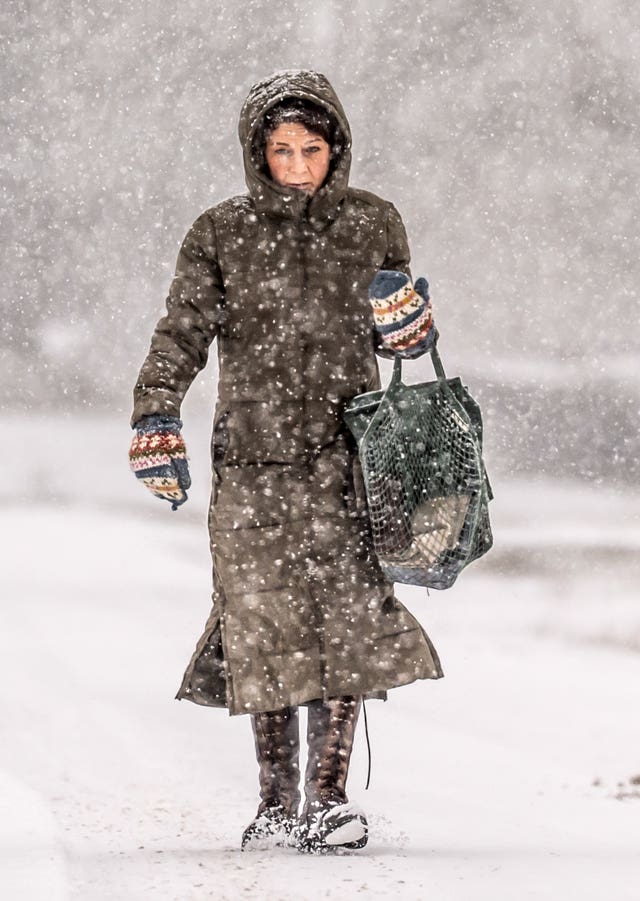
[[308, 457]]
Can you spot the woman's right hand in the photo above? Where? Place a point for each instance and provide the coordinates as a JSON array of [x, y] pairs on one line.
[[158, 457]]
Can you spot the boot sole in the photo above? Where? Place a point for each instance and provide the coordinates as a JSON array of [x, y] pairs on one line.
[[344, 827], [350, 834]]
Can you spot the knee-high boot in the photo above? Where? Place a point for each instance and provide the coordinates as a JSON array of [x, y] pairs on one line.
[[277, 747], [328, 819]]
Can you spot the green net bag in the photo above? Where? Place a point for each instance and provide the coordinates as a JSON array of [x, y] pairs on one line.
[[427, 490]]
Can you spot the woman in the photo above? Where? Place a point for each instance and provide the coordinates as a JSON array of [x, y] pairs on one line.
[[302, 613]]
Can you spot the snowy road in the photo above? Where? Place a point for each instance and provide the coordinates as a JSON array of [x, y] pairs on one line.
[[497, 782]]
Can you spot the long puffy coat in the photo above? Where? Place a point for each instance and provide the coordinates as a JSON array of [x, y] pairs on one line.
[[301, 609]]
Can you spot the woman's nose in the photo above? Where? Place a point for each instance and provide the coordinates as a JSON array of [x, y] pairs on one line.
[[298, 163]]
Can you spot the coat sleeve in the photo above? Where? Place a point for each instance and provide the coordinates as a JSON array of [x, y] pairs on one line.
[[397, 257], [180, 342]]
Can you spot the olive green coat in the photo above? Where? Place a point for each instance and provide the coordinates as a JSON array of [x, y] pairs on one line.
[[301, 609]]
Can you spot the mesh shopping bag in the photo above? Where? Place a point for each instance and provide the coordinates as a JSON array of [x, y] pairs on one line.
[[427, 490]]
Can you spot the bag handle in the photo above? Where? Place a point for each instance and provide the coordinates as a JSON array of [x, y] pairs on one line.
[[396, 378]]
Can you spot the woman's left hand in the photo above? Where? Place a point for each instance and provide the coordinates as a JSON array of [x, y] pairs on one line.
[[402, 313]]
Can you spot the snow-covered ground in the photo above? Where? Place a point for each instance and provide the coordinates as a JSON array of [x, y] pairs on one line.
[[512, 778]]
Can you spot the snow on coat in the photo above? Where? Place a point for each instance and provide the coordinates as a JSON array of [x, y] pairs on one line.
[[301, 609]]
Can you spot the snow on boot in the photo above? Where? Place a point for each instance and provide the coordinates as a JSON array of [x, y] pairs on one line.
[[329, 821], [277, 746], [271, 829]]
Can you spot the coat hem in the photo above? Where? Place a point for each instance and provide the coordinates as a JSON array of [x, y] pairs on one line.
[[302, 698]]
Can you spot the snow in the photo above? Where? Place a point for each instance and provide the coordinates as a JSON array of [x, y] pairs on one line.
[[31, 859], [506, 135], [510, 778]]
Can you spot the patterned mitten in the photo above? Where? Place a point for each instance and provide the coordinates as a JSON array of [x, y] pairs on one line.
[[158, 456], [402, 314]]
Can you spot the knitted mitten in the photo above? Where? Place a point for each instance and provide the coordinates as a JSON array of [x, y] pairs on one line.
[[402, 314], [158, 456]]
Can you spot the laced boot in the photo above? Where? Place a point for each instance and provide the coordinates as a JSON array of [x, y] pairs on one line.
[[277, 746], [328, 820]]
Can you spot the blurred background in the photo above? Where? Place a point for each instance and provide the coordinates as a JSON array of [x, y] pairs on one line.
[[505, 132]]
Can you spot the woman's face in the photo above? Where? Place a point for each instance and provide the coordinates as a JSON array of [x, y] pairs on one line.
[[297, 158]]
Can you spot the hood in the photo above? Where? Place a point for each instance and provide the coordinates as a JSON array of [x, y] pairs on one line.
[[267, 195]]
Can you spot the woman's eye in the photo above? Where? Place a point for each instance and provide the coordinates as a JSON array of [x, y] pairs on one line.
[[313, 149]]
